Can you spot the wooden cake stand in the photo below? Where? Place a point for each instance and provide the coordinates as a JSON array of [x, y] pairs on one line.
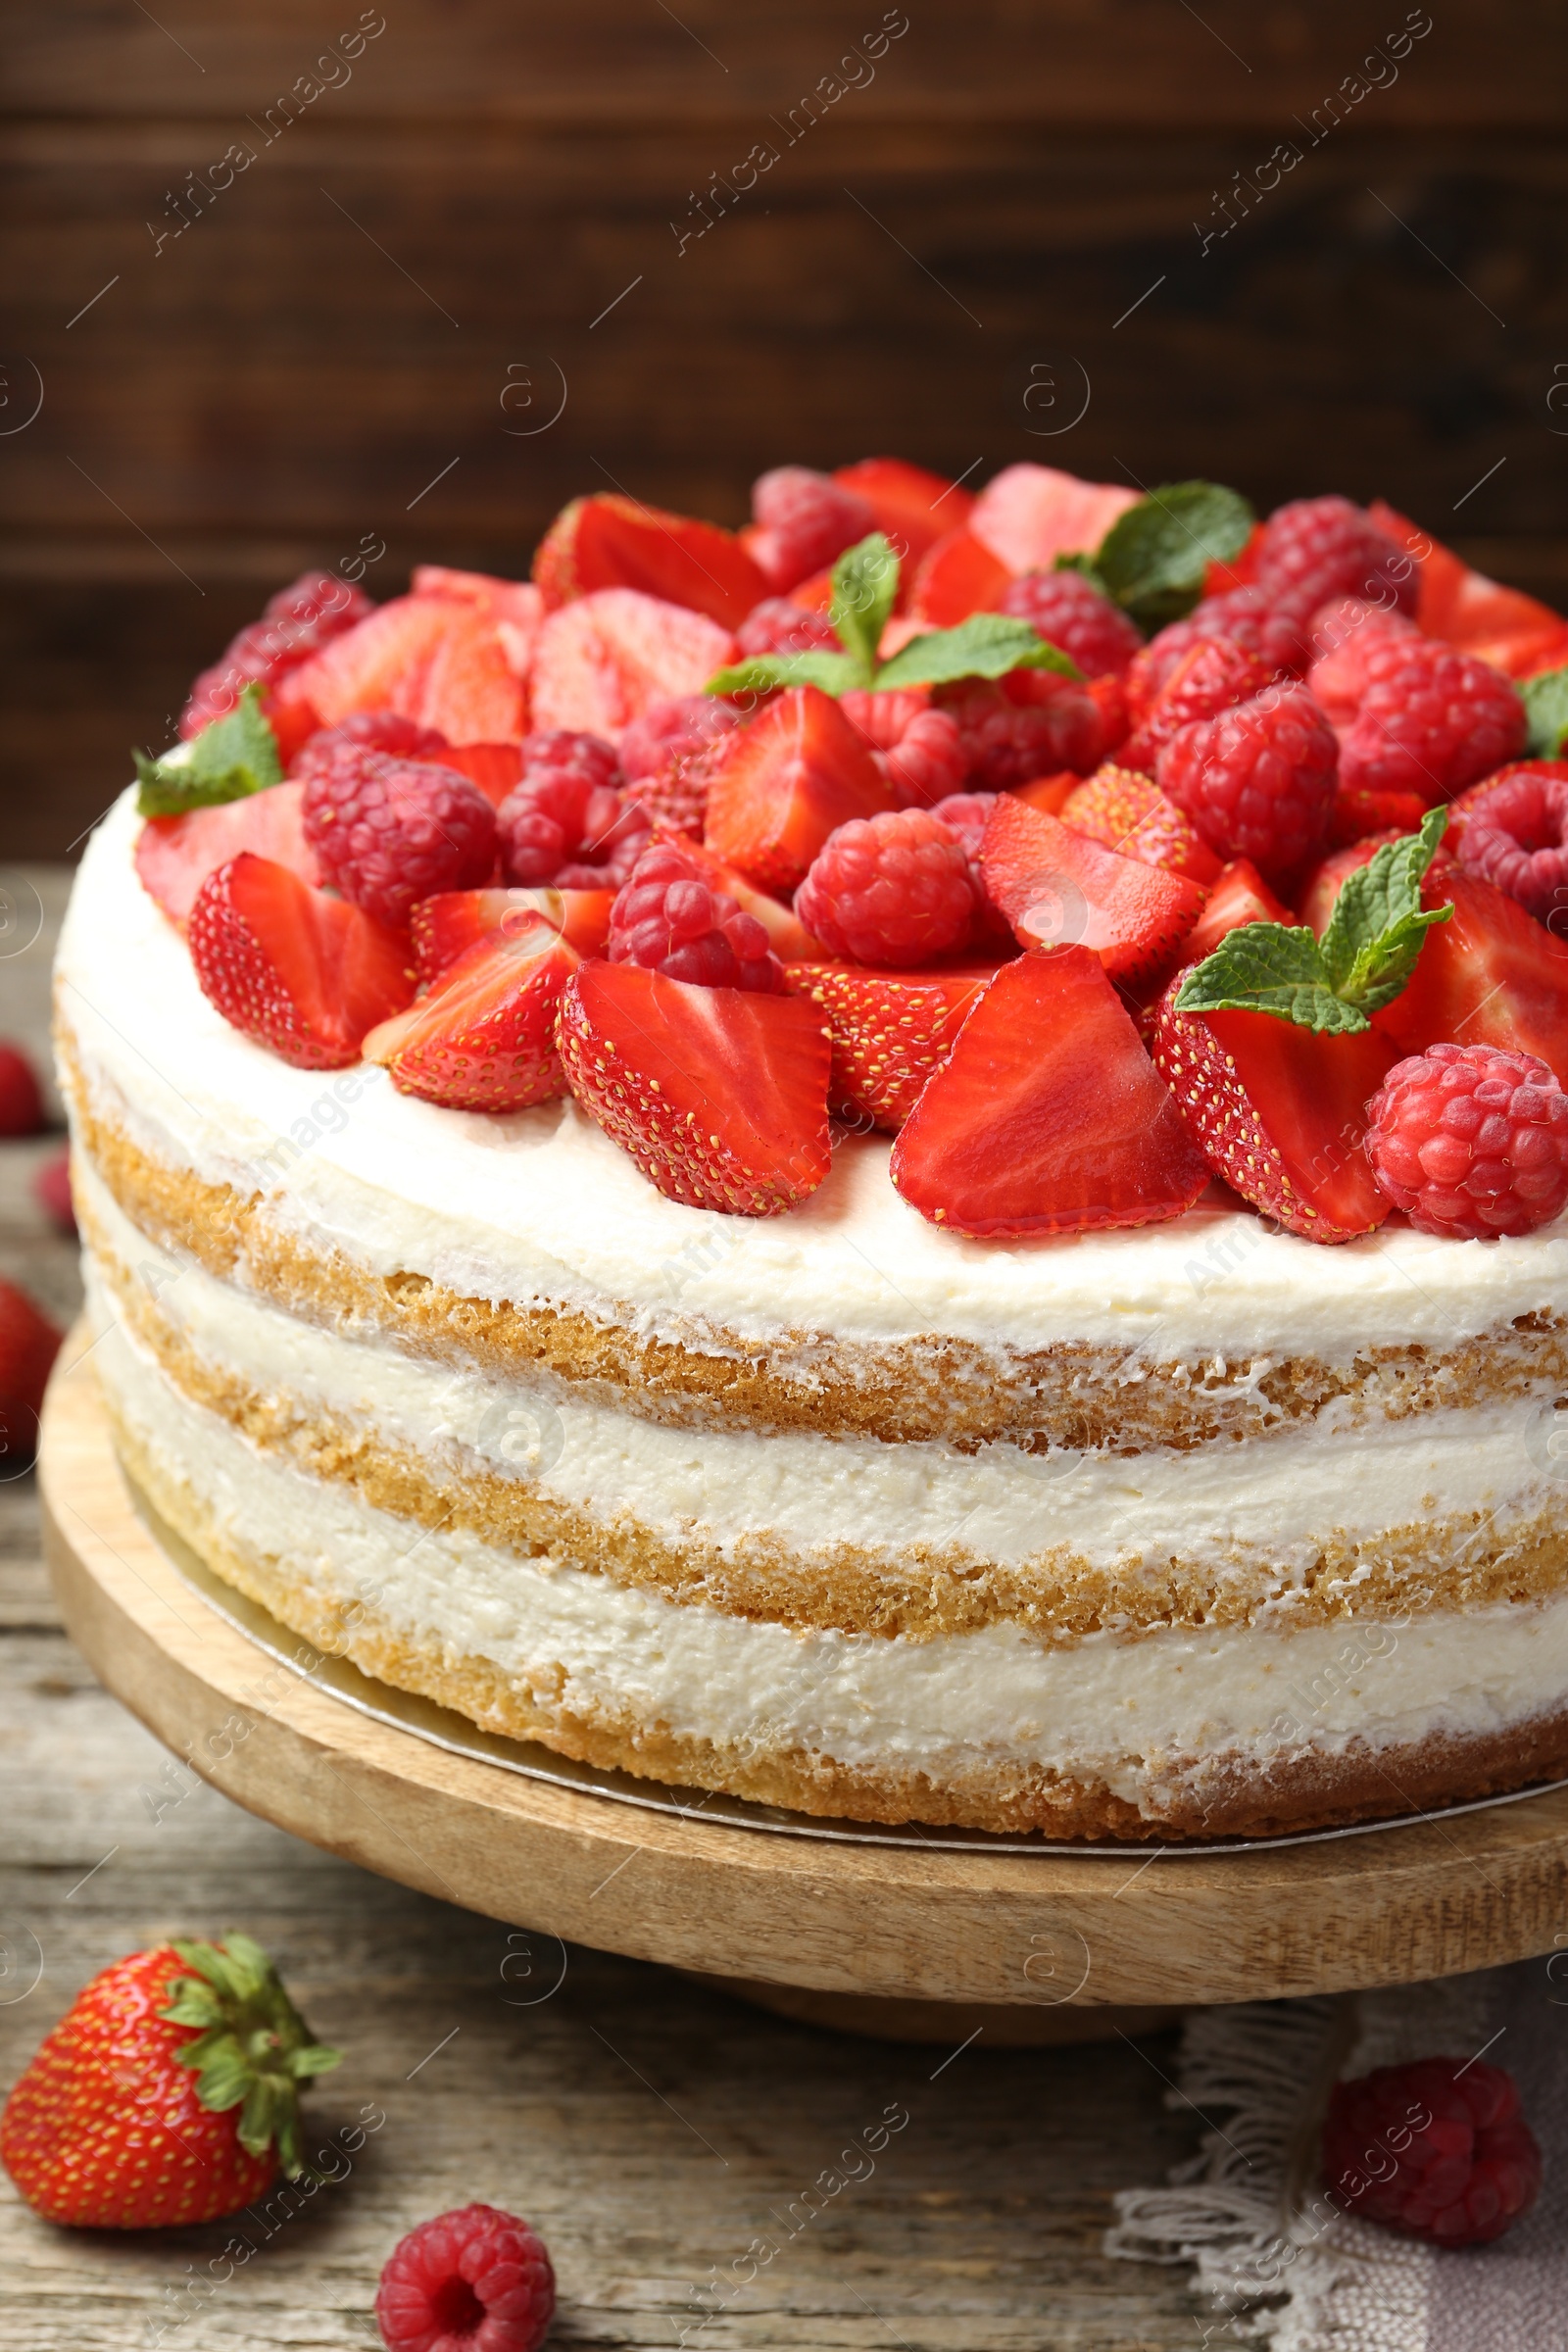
[[917, 1942]]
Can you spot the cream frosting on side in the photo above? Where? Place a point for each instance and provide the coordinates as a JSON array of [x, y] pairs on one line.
[[1111, 1707], [541, 1207]]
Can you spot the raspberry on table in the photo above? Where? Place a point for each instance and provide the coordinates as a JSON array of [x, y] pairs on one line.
[[1210, 677], [567, 821], [1243, 616], [1430, 720], [803, 519], [390, 832], [1436, 2149], [1257, 780], [661, 756], [366, 731], [1072, 615], [669, 920], [474, 2277], [1471, 1142], [1315, 547], [1029, 724], [918, 750], [776, 626], [21, 1096], [1515, 834], [890, 889]]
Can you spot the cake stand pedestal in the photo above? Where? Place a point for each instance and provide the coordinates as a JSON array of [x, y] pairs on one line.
[[915, 1943]]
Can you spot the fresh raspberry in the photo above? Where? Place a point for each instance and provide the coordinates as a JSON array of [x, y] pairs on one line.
[[1257, 780], [661, 756], [477, 2278], [1515, 834], [51, 1189], [1344, 635], [1430, 720], [803, 520], [1471, 1142], [366, 731], [298, 620], [1213, 674], [668, 919], [391, 832], [20, 1100], [892, 889], [1074, 617], [1029, 724], [568, 821], [1438, 2150], [1243, 616], [776, 626], [1316, 548], [920, 751]]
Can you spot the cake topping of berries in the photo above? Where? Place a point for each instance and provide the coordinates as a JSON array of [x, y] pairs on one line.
[[1069, 610], [474, 2278], [892, 889], [1471, 1142], [1515, 834], [918, 751], [1438, 2150], [1258, 781], [803, 521], [297, 972], [390, 832], [890, 1031], [668, 919], [1317, 548], [779, 787], [568, 821], [1131, 816], [1430, 720]]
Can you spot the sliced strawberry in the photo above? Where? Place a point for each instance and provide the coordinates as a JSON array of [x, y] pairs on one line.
[[494, 767], [1028, 516], [1356, 813], [484, 1037], [890, 1030], [1324, 882], [1240, 896], [611, 542], [1239, 573], [300, 972], [175, 855], [1280, 1112], [816, 594], [602, 658], [518, 598], [1466, 609], [1046, 1117], [719, 1095], [470, 691], [1048, 792], [447, 925], [914, 509], [1131, 816], [1056, 887], [787, 935], [957, 576], [1491, 975], [1108, 694], [380, 665], [780, 786]]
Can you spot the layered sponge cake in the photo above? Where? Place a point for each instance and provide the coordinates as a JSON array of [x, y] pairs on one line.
[[992, 1441]]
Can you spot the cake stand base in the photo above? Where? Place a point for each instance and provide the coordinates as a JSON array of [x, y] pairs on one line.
[[814, 1928]]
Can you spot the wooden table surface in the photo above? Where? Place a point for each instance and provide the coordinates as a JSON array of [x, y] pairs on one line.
[[652, 2131]]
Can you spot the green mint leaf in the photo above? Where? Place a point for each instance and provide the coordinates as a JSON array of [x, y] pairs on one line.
[[835, 674], [1269, 968], [229, 758], [1375, 932], [1545, 701], [866, 585], [985, 646], [1154, 558]]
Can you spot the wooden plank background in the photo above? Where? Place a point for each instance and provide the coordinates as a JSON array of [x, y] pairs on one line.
[[1013, 195]]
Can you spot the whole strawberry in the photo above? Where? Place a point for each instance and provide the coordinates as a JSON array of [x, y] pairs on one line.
[[28, 1346], [167, 2094]]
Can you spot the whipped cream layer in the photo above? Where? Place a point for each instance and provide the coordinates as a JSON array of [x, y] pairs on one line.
[[1268, 1504], [1122, 1710], [541, 1208]]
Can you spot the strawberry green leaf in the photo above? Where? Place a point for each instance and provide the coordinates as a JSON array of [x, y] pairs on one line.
[[1545, 701], [254, 2048], [865, 584], [229, 758], [1375, 932], [1269, 968], [835, 674], [985, 646], [1154, 558]]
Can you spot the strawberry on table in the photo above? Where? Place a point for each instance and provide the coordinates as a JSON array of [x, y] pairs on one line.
[[718, 1095], [175, 855], [1056, 886], [28, 1346], [780, 786], [890, 1030], [1048, 1115], [21, 1096], [483, 1038], [444, 927], [609, 541], [167, 2094], [301, 974]]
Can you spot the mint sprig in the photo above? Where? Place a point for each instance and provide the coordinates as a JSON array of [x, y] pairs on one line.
[[865, 586], [232, 756], [1152, 560], [1362, 960], [1545, 701]]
